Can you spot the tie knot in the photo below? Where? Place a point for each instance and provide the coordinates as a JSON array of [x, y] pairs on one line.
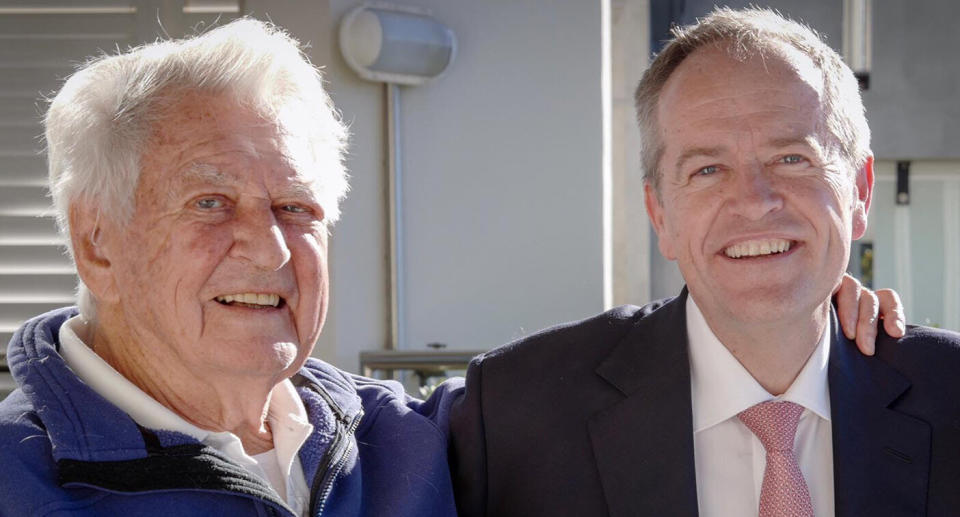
[[774, 423]]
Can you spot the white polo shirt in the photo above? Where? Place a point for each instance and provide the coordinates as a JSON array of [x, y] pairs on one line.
[[279, 467]]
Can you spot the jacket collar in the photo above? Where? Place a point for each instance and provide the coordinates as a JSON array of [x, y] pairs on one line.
[[83, 426], [80, 424], [644, 442]]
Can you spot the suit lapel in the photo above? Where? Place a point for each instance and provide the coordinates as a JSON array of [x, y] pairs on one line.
[[881, 458], [644, 442]]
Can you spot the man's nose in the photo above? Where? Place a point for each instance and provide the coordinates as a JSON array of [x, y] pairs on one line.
[[259, 239], [755, 194]]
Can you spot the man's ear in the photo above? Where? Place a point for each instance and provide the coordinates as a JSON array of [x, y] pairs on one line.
[[863, 193], [90, 251], [655, 213]]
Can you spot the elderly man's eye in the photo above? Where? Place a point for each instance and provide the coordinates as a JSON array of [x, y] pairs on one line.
[[792, 159], [708, 170], [294, 209], [209, 203]]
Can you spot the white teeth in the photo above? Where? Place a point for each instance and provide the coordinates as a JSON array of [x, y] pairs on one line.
[[271, 300], [757, 247]]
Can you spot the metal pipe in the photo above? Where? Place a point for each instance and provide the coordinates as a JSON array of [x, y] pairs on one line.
[[858, 38], [395, 202]]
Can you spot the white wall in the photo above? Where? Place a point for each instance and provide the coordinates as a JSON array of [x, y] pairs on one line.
[[502, 160], [503, 179]]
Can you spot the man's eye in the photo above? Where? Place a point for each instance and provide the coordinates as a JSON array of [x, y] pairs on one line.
[[209, 203], [792, 159], [294, 209], [708, 170]]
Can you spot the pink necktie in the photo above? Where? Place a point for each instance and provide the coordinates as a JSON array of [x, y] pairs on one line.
[[784, 493]]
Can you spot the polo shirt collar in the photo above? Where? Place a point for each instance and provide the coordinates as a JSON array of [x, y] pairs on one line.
[[286, 414]]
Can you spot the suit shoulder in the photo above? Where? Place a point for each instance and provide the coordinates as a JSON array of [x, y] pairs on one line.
[[923, 353], [598, 333], [919, 340]]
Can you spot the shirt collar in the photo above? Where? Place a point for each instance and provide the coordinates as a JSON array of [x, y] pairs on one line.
[[288, 423], [286, 414], [721, 387]]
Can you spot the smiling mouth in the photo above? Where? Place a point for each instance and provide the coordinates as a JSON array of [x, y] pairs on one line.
[[758, 248], [252, 300]]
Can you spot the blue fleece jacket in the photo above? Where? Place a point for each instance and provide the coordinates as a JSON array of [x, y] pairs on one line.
[[64, 450]]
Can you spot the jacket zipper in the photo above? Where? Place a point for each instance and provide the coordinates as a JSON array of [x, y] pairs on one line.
[[336, 454], [345, 444]]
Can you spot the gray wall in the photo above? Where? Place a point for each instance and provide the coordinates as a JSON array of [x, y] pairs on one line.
[[914, 98], [503, 179]]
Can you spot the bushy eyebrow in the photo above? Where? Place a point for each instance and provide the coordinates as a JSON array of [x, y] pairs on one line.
[[300, 190], [204, 173]]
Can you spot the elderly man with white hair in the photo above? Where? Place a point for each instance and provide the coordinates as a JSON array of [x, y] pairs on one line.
[[197, 181]]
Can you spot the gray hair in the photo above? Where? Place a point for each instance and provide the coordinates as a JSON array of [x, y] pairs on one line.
[[748, 32], [99, 123]]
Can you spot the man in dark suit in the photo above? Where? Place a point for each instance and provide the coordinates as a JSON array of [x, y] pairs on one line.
[[741, 396]]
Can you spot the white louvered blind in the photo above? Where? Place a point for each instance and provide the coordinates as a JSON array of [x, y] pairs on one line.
[[41, 42]]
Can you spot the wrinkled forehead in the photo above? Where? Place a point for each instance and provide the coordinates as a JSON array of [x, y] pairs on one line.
[[203, 138], [196, 116], [288, 180]]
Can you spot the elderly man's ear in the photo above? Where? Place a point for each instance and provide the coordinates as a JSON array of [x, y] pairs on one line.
[[90, 251], [863, 194]]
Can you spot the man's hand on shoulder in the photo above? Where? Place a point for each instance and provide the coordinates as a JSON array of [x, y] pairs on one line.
[[858, 309]]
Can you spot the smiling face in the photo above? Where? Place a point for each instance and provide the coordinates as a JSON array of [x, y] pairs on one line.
[[755, 203], [224, 264]]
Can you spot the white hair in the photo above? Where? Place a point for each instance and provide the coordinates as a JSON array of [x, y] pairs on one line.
[[99, 123], [743, 33]]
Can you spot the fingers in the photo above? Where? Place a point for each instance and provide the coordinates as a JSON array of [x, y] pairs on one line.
[[891, 310], [848, 305], [867, 322]]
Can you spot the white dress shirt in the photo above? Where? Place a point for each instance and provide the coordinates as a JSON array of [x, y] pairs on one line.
[[279, 467], [730, 460]]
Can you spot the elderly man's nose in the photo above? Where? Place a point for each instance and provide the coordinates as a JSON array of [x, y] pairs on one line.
[[259, 239], [755, 194]]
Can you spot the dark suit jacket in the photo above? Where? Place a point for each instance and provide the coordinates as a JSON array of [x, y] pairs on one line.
[[594, 418]]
